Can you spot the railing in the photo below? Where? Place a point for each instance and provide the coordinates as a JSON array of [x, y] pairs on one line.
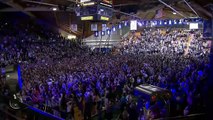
[[25, 113], [198, 116], [6, 115]]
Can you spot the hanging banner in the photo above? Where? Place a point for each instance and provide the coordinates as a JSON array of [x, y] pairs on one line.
[[207, 30], [94, 27], [133, 25], [74, 27], [96, 33], [104, 27], [159, 13]]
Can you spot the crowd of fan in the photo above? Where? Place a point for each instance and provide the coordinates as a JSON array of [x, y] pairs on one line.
[[166, 41], [60, 75]]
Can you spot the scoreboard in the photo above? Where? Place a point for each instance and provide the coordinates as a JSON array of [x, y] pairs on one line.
[[96, 10]]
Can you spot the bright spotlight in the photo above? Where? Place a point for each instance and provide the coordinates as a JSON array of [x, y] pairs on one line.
[[54, 9]]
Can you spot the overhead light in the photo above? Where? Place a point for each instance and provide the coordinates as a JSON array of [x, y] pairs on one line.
[[104, 18], [174, 13], [54, 9], [71, 37], [87, 18], [89, 4]]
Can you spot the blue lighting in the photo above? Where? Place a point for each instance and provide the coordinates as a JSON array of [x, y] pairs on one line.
[[20, 82]]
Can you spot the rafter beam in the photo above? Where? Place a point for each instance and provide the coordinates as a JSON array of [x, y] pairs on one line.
[[125, 4], [16, 6], [191, 7], [172, 8], [29, 9], [201, 9], [41, 3]]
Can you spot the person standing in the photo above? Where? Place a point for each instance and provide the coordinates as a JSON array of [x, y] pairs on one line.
[[70, 110], [63, 106], [88, 106]]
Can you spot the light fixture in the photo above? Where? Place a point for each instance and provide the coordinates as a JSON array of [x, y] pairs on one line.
[[105, 18], [174, 13], [54, 9], [89, 4], [71, 37], [87, 18]]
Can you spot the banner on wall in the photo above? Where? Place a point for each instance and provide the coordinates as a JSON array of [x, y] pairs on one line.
[[133, 25], [94, 27], [96, 33], [159, 13], [104, 27], [74, 27], [207, 30]]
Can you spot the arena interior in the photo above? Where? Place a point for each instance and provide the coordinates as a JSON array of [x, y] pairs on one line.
[[106, 59]]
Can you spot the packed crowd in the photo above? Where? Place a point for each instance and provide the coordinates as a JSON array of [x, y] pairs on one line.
[[29, 42], [60, 75], [166, 41]]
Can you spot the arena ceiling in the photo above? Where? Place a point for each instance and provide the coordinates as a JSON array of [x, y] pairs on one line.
[[144, 9]]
